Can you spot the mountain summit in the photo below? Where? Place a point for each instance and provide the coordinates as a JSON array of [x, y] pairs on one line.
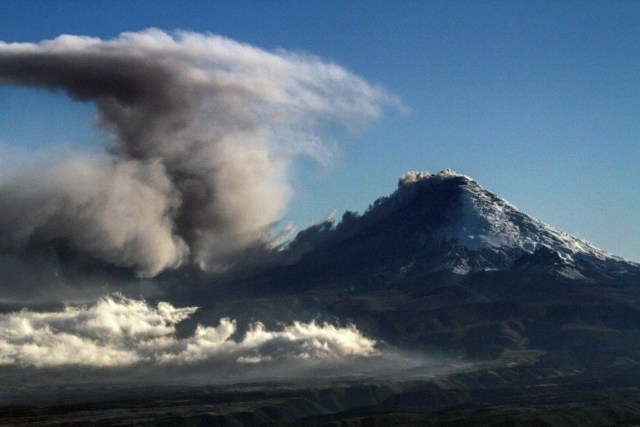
[[446, 221]]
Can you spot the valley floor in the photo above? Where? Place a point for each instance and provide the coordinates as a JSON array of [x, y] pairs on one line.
[[516, 396]]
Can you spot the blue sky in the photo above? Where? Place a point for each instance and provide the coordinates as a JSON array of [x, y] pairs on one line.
[[538, 101]]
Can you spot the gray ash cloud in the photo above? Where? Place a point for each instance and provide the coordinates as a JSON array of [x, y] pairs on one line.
[[204, 131]]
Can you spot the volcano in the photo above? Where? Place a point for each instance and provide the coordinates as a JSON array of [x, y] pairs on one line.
[[447, 221], [444, 264]]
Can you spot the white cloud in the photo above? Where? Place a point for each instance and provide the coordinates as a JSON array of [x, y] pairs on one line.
[[121, 332]]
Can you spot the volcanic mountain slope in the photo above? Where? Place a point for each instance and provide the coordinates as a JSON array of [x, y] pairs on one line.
[[448, 222], [443, 263]]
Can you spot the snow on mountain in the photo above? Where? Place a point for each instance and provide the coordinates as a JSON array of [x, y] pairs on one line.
[[489, 221], [484, 222]]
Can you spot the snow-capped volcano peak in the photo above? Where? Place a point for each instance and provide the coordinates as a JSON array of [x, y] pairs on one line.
[[447, 221], [480, 222]]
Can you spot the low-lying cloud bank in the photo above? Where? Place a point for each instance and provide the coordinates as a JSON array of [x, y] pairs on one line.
[[124, 342], [204, 131], [118, 332]]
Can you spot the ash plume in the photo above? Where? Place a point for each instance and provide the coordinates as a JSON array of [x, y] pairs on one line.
[[204, 131]]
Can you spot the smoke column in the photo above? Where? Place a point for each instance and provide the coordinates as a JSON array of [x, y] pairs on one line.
[[204, 130]]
